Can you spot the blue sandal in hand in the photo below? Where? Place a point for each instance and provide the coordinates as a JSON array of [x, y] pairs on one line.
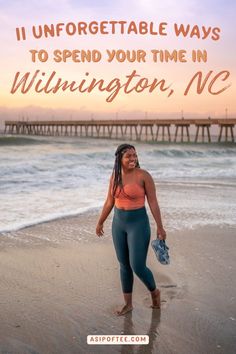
[[161, 251]]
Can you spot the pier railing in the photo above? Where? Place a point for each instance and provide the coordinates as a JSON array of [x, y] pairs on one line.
[[140, 130]]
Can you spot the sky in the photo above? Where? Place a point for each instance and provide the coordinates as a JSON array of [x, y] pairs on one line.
[[16, 57]]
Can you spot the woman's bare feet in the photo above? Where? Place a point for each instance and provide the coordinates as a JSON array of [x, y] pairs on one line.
[[128, 305], [125, 309], [156, 299]]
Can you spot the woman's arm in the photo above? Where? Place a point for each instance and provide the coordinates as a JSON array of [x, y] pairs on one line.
[[107, 208], [150, 190]]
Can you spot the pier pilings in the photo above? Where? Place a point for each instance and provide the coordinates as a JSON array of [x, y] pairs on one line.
[[139, 130]]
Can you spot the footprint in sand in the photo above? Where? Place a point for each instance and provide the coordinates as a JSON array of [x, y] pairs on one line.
[[169, 291], [173, 291]]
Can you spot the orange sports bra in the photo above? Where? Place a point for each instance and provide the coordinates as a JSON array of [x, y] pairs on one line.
[[131, 196]]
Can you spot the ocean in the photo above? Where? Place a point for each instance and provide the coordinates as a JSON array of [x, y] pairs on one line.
[[45, 178]]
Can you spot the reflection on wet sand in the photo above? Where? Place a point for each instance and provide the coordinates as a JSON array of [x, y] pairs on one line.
[[128, 328]]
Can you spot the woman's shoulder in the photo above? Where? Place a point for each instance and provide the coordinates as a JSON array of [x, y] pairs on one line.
[[143, 176], [142, 173]]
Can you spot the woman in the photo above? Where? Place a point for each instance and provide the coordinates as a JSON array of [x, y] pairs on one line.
[[129, 184]]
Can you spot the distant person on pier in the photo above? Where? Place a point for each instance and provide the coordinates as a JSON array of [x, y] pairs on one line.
[[129, 185]]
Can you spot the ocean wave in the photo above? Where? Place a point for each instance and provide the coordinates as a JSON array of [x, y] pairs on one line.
[[58, 177], [198, 153], [197, 184], [20, 140], [22, 225]]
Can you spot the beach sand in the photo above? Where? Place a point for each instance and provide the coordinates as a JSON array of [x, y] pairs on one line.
[[60, 283]]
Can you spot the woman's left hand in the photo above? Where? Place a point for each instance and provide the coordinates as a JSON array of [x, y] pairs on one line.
[[161, 234]]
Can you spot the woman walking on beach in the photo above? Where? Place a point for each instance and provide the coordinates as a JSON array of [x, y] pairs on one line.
[[129, 184]]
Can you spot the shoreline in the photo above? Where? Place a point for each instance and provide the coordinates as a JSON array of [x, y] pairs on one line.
[[85, 211], [57, 289], [163, 185], [68, 226]]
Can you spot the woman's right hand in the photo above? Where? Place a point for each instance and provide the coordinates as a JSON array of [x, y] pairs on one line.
[[99, 230]]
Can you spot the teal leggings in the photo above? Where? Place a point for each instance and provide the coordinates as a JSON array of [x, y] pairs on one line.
[[131, 237]]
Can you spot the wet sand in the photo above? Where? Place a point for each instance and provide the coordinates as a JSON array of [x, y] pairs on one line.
[[60, 283]]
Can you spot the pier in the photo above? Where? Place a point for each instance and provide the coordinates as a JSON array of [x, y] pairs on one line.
[[139, 130]]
